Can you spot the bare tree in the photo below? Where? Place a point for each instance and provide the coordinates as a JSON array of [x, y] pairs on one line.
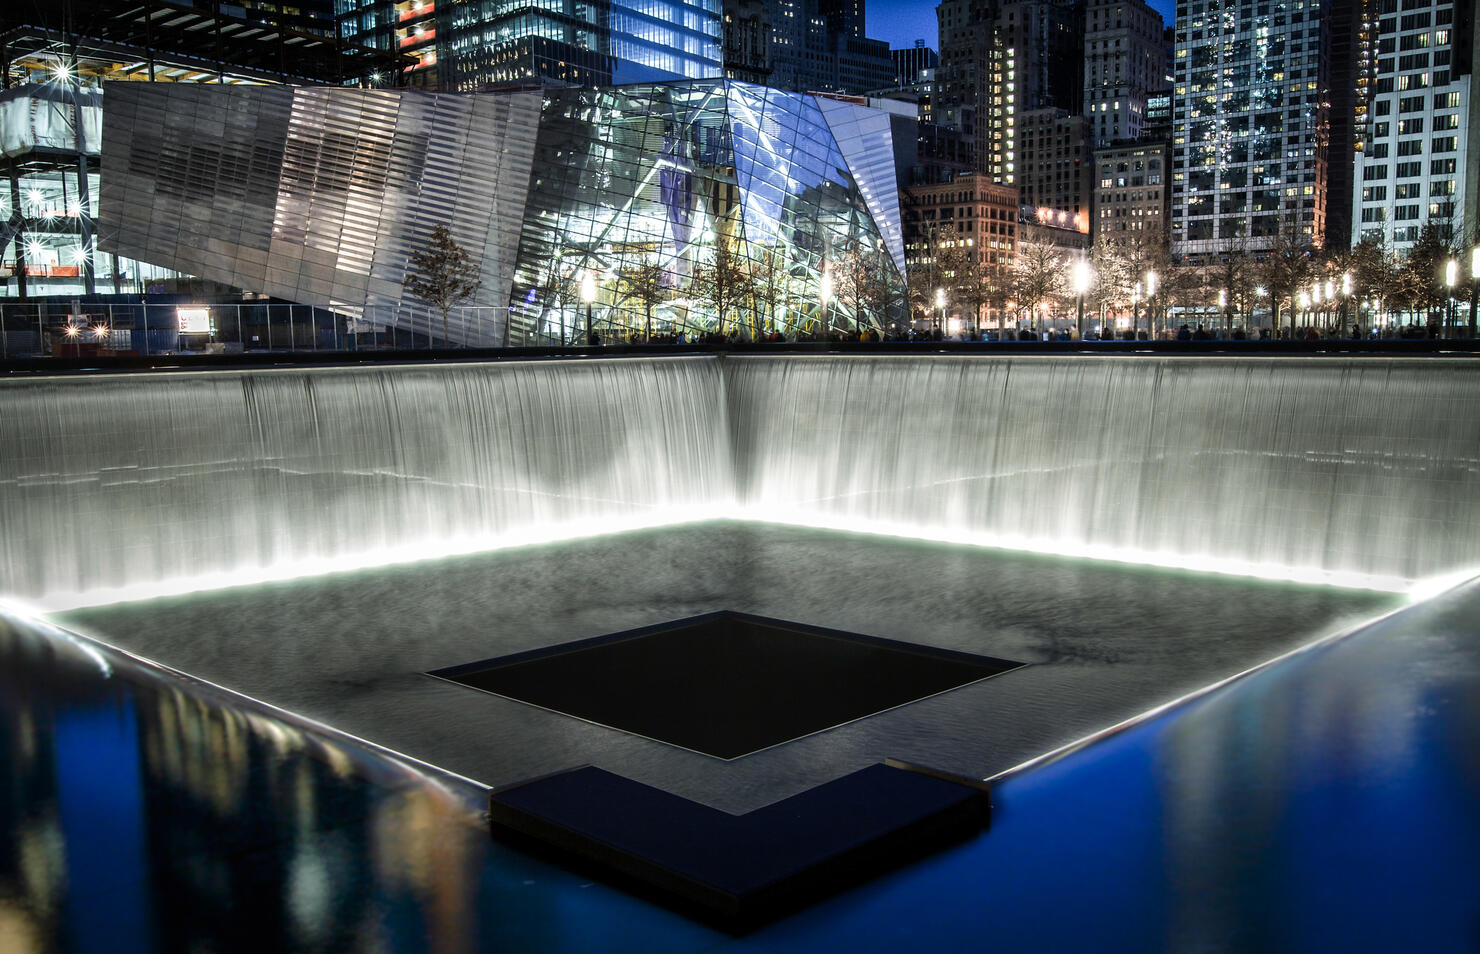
[[859, 281], [774, 287], [1230, 280], [442, 275], [1122, 261], [726, 279], [983, 284], [1286, 267], [1039, 275], [555, 287], [952, 259], [1423, 270], [643, 282]]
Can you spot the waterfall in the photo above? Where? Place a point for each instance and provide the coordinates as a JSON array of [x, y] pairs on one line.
[[1358, 470], [111, 483], [1361, 469]]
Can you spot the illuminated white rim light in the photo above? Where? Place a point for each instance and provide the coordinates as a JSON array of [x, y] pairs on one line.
[[431, 550], [1020, 543], [1069, 748], [416, 552], [88, 644]]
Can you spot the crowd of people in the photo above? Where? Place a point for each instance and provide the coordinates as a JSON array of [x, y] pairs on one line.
[[1185, 332]]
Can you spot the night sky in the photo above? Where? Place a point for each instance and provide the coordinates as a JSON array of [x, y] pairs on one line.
[[902, 22]]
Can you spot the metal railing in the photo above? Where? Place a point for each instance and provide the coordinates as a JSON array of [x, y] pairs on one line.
[[30, 329]]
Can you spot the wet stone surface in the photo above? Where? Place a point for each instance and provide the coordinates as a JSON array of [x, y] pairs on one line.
[[1101, 643]]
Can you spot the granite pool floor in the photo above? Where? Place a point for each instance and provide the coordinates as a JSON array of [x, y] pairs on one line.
[[1103, 643]]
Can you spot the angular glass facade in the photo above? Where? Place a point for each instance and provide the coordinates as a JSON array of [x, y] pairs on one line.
[[705, 207], [692, 208]]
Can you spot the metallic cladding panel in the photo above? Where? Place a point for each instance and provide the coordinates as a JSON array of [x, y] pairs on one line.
[[190, 176], [865, 138], [320, 195]]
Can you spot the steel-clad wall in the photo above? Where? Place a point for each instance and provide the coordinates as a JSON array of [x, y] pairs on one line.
[[319, 195]]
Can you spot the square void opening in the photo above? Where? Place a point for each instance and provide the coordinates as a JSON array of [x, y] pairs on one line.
[[726, 684]]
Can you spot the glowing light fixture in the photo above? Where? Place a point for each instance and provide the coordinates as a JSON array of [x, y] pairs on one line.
[[1083, 276]]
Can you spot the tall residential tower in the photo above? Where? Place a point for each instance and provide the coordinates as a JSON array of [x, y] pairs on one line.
[[1250, 133]]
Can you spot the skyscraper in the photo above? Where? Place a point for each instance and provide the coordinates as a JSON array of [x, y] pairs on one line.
[[1415, 139], [477, 43], [1125, 61], [1249, 147], [820, 46]]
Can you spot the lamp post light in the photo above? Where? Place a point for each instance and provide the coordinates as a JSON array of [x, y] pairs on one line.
[[940, 302], [1150, 307], [824, 293], [1451, 277], [1082, 278], [1474, 285], [1346, 297], [588, 295]]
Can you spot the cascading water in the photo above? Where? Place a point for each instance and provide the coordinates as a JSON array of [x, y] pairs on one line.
[[109, 484], [1361, 469]]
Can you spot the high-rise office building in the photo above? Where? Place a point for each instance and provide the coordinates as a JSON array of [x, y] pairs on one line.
[[1415, 141], [1124, 61], [1056, 178], [747, 30], [820, 46], [965, 40], [1000, 60], [477, 43], [910, 62], [1249, 148]]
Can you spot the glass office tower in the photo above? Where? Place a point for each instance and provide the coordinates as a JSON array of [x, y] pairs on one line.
[[469, 45]]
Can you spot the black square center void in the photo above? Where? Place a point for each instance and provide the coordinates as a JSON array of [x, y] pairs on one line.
[[726, 684]]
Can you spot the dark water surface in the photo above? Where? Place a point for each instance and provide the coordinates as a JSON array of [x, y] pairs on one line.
[[1103, 643]]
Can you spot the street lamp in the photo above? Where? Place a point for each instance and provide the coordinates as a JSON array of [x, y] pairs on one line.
[[940, 302], [588, 295], [1451, 276], [824, 293], [1346, 298], [1082, 278], [1474, 284], [1150, 308]]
